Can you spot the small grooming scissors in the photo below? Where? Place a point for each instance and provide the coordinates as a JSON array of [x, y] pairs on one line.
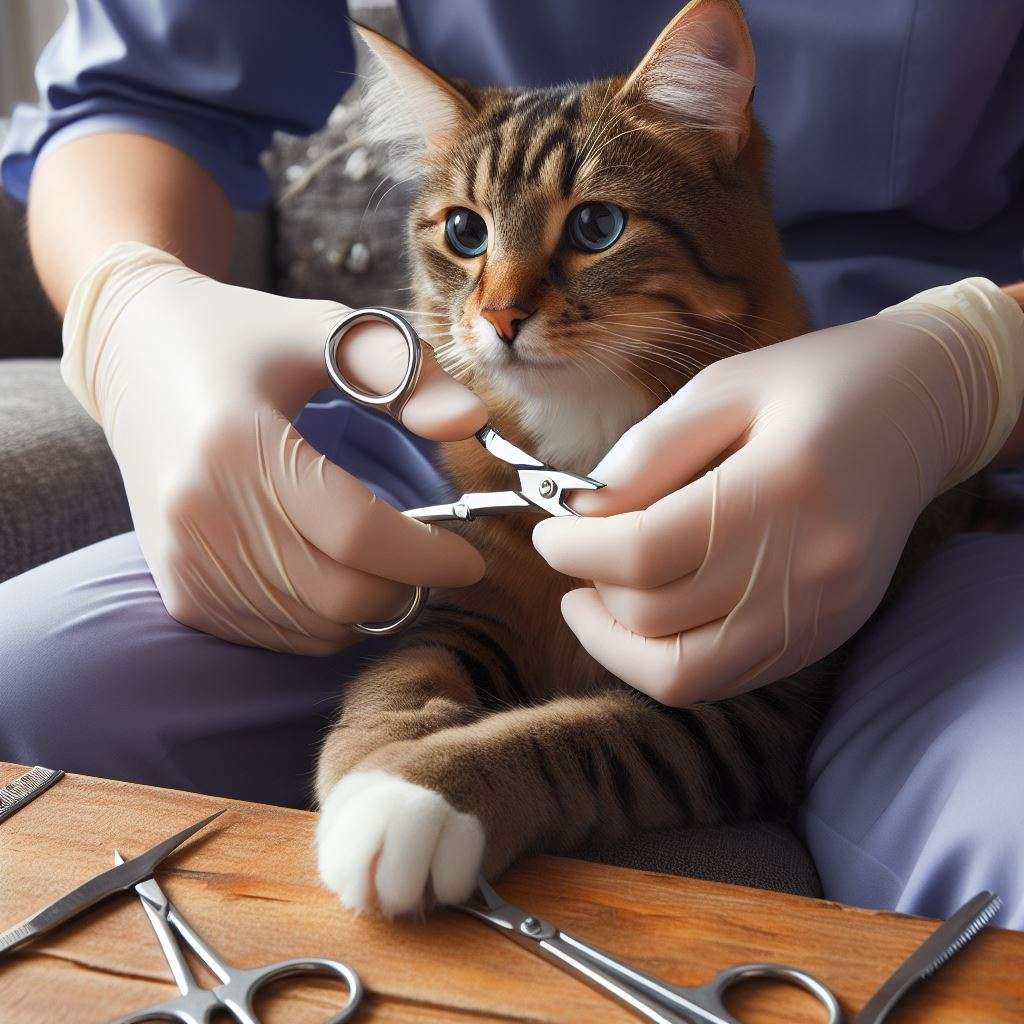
[[238, 986], [541, 487], [652, 999]]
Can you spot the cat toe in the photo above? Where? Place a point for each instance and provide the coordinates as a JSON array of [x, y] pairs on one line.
[[381, 840], [458, 857]]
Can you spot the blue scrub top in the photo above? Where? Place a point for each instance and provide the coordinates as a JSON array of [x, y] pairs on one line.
[[898, 127]]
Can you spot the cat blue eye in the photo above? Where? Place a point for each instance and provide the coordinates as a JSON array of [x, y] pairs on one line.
[[465, 232], [593, 227]]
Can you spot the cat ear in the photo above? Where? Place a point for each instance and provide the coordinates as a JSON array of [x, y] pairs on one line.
[[700, 70], [411, 108]]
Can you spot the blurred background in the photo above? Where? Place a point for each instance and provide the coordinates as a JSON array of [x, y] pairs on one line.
[[25, 28]]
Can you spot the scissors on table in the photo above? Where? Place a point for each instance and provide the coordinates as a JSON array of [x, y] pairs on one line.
[[652, 999], [542, 488], [238, 986]]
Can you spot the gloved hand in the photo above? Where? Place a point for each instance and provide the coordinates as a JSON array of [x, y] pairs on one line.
[[824, 449], [251, 534]]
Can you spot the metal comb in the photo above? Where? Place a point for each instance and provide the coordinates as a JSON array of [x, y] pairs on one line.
[[944, 943], [21, 791]]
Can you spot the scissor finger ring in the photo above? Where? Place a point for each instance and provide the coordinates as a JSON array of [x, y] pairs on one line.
[[397, 625], [394, 400], [714, 993]]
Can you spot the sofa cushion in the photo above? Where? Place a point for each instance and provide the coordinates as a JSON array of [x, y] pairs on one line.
[[28, 325], [60, 488], [759, 854]]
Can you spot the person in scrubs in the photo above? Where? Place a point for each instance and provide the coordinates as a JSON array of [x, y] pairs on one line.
[[898, 166]]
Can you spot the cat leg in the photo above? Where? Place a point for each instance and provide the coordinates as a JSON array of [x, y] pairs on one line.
[[556, 776], [374, 821]]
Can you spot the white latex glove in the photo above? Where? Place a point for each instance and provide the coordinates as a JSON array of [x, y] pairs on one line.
[[251, 534], [826, 448]]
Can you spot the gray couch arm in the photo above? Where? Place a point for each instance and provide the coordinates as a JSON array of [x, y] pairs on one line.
[[29, 328], [60, 488]]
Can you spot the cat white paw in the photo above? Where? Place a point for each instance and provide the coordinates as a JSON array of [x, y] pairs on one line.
[[381, 840]]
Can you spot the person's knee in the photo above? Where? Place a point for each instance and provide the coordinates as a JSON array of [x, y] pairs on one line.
[[66, 655], [967, 831], [916, 796], [45, 667], [97, 678], [935, 811]]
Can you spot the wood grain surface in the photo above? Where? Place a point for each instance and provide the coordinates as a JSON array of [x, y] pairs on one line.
[[249, 887]]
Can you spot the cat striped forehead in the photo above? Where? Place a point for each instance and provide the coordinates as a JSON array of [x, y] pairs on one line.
[[518, 138]]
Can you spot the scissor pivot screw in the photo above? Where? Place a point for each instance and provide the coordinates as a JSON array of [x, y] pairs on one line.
[[536, 928], [547, 488]]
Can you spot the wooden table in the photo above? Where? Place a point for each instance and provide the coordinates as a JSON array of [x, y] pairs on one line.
[[250, 887]]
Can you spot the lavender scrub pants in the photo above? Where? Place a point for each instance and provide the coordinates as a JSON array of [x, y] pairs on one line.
[[916, 781]]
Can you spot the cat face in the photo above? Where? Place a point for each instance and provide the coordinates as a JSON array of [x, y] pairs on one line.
[[593, 244], [543, 239]]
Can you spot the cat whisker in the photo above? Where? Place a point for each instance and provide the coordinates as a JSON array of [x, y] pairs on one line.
[[699, 345], [616, 355], [680, 310], [673, 316], [677, 365], [629, 131], [669, 357], [649, 341], [694, 334], [679, 362], [682, 331], [417, 312], [677, 312], [384, 196], [379, 185], [609, 98], [587, 371]]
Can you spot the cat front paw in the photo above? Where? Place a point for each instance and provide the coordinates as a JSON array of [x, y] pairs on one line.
[[381, 841]]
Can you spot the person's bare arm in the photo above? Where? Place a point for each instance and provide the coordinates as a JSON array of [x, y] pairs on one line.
[[122, 186]]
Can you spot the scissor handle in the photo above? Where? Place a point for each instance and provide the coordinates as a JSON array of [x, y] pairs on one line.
[[712, 994], [394, 400], [237, 994], [198, 1007]]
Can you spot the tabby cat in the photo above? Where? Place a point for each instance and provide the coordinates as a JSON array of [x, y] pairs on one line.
[[580, 252]]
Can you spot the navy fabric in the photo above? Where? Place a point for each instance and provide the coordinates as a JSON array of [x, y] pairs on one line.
[[898, 132]]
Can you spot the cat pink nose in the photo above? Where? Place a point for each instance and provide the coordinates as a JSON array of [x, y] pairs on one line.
[[505, 321]]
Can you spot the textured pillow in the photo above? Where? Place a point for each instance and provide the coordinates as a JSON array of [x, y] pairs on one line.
[[60, 488], [340, 215]]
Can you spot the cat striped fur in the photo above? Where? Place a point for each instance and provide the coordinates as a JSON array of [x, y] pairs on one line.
[[489, 732]]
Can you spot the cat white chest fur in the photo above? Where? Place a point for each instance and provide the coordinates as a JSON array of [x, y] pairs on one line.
[[576, 421], [575, 412]]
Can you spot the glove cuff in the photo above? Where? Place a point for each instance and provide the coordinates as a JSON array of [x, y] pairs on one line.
[[96, 300], [985, 313]]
